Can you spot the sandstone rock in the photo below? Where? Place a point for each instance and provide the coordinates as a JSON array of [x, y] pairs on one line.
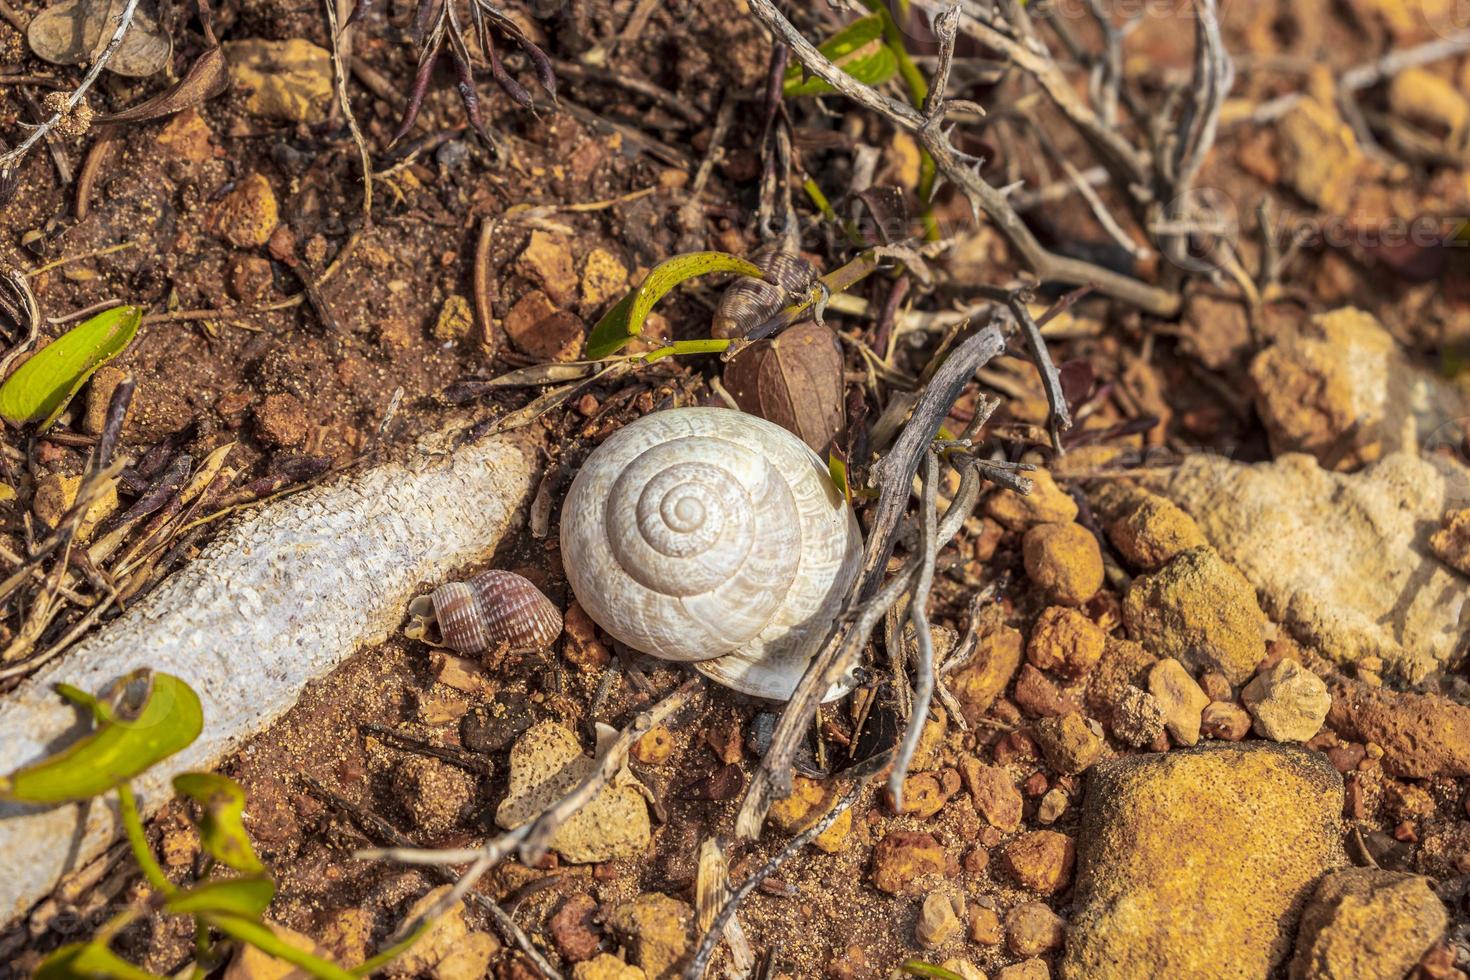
[[186, 137], [606, 967], [56, 493], [252, 963], [1224, 720], [655, 747], [1201, 610], [1033, 929], [545, 764], [810, 801], [994, 793], [1047, 503], [456, 320], [1421, 735], [1032, 969], [1341, 390], [1138, 718], [980, 681], [1367, 924], [1450, 544], [246, 216], [1288, 702], [939, 919], [985, 927], [1064, 560], [1068, 743], [1053, 804], [1150, 530], [577, 938], [583, 648], [656, 928], [925, 793], [1181, 698], [435, 794], [1303, 537], [1422, 97], [449, 943], [1041, 860], [1039, 695], [604, 279], [964, 969], [1124, 664], [1320, 158], [1196, 862], [290, 81], [547, 260], [1066, 641], [908, 863], [280, 420]]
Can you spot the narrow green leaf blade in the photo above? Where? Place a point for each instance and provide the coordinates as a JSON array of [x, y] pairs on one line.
[[625, 321], [858, 49], [260, 936], [89, 961], [220, 829], [121, 747], [247, 897], [40, 388]]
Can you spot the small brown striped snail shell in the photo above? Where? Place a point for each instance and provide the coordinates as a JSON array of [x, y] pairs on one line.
[[495, 610], [748, 302]]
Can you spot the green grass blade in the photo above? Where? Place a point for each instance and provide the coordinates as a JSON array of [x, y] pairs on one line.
[[625, 321]]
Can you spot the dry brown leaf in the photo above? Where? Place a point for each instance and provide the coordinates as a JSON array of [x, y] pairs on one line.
[[74, 32], [206, 78]]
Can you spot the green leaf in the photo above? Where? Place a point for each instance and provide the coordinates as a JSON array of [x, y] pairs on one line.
[[625, 321], [858, 49], [89, 961], [247, 897], [42, 386], [261, 937], [156, 716], [220, 828], [837, 470], [918, 968]]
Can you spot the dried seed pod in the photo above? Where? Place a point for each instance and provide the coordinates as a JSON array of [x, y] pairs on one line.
[[794, 381], [491, 610], [748, 302]]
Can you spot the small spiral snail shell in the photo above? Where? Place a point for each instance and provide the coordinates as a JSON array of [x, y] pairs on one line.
[[748, 302], [710, 536], [491, 610]]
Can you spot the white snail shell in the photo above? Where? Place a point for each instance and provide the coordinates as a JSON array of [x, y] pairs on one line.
[[711, 536]]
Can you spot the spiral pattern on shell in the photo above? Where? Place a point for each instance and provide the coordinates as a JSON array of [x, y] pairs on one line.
[[748, 302], [701, 533], [492, 608]]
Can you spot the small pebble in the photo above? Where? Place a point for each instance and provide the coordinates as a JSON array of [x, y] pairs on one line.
[[1040, 860], [1288, 702], [1033, 929], [1225, 720], [985, 927], [939, 919], [1138, 718], [1064, 561], [1181, 698], [1069, 744]]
